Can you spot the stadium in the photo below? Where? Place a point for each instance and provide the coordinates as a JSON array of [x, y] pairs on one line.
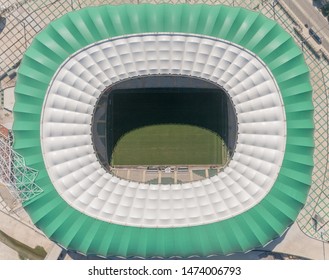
[[162, 130]]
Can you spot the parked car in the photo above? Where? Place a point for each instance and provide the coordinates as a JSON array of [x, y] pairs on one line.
[[315, 36]]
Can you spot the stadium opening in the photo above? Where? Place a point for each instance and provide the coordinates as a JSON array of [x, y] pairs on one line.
[[154, 126]]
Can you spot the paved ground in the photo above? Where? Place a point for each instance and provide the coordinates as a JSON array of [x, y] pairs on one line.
[[6, 118], [7, 202], [295, 242], [314, 218], [310, 14], [7, 253], [15, 222], [23, 233]]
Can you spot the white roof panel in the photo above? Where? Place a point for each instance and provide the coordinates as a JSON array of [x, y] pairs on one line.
[[81, 180]]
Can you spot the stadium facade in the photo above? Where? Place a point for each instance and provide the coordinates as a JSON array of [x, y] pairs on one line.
[[85, 208]]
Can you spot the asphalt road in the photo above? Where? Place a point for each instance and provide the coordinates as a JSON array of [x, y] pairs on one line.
[[308, 13]]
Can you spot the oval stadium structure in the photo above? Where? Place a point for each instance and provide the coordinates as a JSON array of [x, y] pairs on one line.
[[84, 207]]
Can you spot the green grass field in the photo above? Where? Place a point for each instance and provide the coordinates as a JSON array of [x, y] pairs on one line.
[[169, 145]]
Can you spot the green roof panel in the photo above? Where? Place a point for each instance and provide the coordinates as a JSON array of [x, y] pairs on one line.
[[251, 30]]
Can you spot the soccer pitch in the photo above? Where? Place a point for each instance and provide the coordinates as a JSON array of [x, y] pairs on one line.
[[170, 144]]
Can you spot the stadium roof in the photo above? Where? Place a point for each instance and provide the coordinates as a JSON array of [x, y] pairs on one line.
[[83, 207], [82, 181]]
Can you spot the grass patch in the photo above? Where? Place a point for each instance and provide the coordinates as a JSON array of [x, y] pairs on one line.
[[201, 173], [171, 144], [167, 181], [212, 172], [153, 181], [24, 252]]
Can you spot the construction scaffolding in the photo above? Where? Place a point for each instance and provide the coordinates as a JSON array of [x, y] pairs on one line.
[[14, 173]]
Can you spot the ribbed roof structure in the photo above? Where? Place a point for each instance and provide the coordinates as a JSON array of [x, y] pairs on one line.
[[85, 208]]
